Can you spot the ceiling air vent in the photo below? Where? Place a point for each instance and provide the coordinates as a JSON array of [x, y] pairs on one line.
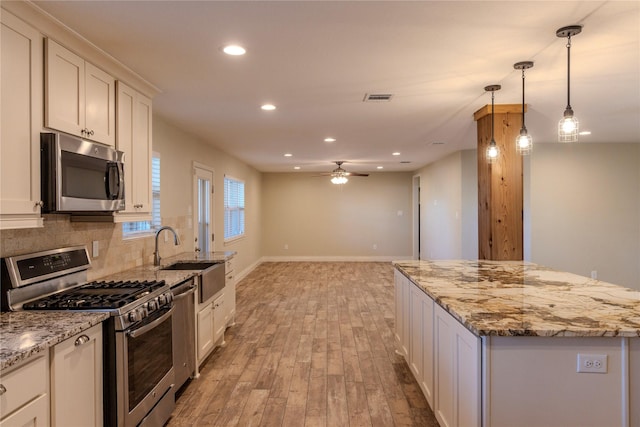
[[377, 97]]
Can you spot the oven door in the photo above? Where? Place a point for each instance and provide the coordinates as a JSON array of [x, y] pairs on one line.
[[145, 375]]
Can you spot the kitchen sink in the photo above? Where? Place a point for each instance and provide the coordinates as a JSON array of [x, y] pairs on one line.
[[190, 265], [210, 278]]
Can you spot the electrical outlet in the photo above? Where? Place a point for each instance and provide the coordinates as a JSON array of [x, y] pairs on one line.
[[286, 246], [592, 363], [375, 246]]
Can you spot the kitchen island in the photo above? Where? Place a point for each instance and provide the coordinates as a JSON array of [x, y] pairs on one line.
[[500, 343]]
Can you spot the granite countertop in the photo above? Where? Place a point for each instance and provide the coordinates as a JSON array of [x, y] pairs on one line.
[[24, 333], [515, 298], [171, 277]]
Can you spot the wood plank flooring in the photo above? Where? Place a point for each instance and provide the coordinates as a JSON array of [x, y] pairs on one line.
[[312, 346]]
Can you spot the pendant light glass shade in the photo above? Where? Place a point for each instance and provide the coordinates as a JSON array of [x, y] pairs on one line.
[[492, 151], [524, 142], [568, 127]]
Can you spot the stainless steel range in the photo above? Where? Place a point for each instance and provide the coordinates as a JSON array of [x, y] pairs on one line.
[[138, 361]]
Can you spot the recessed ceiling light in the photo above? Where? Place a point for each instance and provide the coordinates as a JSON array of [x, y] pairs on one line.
[[234, 50], [268, 107], [396, 153], [288, 155], [329, 139], [380, 167], [296, 167], [585, 132]]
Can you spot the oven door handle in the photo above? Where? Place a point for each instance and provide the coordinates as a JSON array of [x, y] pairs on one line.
[[146, 328]]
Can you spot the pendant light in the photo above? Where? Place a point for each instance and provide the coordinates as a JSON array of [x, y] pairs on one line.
[[524, 143], [492, 152], [568, 125]]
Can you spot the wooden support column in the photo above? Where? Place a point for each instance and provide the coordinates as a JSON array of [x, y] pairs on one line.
[[500, 185]]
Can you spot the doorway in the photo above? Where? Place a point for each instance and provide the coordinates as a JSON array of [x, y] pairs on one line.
[[204, 237]]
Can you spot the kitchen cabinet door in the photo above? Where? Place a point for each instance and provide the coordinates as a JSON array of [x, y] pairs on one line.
[[22, 405], [134, 138], [205, 341], [219, 323], [21, 116], [416, 328], [230, 294], [80, 98], [457, 372], [76, 380]]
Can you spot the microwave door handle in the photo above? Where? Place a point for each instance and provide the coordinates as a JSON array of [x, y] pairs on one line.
[[113, 180]]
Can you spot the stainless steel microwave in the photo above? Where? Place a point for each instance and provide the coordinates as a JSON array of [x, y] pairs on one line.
[[79, 175]]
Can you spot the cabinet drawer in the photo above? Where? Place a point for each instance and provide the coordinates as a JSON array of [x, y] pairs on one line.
[[34, 373]]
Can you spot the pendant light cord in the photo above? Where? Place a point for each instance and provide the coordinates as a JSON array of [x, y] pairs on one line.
[[569, 72], [492, 117], [523, 126]]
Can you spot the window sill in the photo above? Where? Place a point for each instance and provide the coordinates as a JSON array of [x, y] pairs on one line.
[[233, 240]]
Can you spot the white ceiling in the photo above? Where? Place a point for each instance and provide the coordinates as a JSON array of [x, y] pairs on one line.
[[315, 60]]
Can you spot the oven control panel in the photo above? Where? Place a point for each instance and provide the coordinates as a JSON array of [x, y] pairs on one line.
[[145, 309]]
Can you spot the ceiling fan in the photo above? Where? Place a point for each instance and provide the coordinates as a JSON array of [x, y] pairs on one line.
[[339, 175]]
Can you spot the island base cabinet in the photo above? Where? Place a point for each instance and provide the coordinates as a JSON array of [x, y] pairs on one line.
[[76, 380], [534, 382]]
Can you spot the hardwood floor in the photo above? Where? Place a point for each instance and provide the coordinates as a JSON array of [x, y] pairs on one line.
[[312, 346]]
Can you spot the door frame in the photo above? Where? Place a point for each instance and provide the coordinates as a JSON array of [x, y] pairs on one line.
[[199, 170], [415, 199]]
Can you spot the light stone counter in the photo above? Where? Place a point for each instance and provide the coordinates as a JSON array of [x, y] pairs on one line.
[[514, 298], [171, 277], [23, 333]]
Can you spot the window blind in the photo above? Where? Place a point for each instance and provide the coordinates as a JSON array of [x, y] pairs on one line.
[[233, 208], [132, 228]]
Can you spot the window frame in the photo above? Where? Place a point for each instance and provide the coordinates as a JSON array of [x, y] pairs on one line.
[[241, 209], [156, 219]]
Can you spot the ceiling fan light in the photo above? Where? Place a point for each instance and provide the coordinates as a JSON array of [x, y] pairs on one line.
[[339, 180]]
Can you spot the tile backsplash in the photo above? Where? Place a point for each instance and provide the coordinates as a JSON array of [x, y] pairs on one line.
[[115, 253]]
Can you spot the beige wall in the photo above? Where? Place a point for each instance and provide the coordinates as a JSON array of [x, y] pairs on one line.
[[320, 220], [585, 210], [177, 151], [449, 212]]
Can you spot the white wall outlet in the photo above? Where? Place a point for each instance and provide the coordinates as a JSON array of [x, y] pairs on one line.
[[286, 246], [375, 246], [594, 274], [400, 213], [592, 363], [95, 249]]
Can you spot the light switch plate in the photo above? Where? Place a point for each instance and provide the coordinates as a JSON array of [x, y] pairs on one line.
[[95, 249]]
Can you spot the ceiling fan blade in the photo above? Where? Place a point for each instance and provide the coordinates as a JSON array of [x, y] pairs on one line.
[[357, 174]]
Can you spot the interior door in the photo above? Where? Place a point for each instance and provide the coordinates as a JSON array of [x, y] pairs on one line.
[[203, 208]]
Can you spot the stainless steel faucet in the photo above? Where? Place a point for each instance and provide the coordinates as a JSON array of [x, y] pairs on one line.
[[156, 254]]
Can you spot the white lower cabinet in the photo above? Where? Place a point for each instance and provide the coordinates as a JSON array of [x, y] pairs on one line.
[[76, 380], [24, 396], [204, 334], [443, 355], [230, 294], [219, 323]]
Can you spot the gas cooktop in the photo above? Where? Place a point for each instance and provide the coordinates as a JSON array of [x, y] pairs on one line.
[[101, 295]]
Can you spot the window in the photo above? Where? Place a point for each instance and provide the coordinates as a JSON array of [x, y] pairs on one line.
[[131, 229], [233, 208]]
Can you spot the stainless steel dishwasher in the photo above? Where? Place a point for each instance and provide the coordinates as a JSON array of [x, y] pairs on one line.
[[184, 332]]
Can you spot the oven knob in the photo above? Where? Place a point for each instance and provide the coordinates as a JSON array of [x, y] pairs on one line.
[[134, 316], [162, 299], [153, 305], [169, 297]]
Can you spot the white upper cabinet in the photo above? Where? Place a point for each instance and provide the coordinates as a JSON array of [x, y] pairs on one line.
[[80, 98], [134, 138], [21, 112]]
